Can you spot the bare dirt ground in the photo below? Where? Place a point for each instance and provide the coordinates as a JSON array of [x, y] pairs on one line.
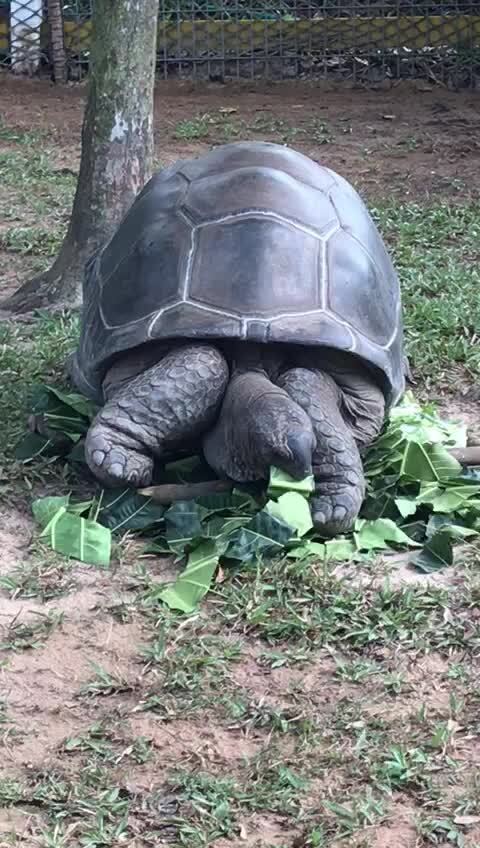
[[259, 721], [412, 138]]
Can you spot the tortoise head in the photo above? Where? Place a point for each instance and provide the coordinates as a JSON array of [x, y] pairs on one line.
[[259, 426]]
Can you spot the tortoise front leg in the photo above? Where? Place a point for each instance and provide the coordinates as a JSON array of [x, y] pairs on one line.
[[337, 467], [173, 401]]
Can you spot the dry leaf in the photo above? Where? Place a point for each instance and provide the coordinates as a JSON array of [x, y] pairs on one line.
[[220, 576], [466, 819]]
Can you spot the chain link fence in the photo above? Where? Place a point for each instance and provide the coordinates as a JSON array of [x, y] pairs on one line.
[[369, 41]]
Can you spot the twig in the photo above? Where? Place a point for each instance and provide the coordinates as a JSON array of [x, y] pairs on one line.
[[169, 492]]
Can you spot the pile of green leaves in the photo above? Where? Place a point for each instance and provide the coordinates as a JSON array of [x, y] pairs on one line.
[[418, 498]]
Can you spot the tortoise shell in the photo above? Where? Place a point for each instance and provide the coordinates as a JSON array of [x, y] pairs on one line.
[[251, 241]]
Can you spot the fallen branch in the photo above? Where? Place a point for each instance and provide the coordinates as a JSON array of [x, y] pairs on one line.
[[467, 456], [170, 492]]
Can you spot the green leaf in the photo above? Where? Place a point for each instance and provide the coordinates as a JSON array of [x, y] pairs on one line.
[[227, 503], [429, 462], [77, 454], [415, 530], [44, 509], [247, 546], [78, 538], [340, 549], [122, 510], [406, 506], [194, 582], [307, 550], [456, 527], [424, 425], [159, 545], [185, 519], [68, 413], [221, 526], [449, 499], [281, 482], [293, 510], [73, 400], [375, 535], [437, 552], [33, 445], [270, 527], [183, 523]]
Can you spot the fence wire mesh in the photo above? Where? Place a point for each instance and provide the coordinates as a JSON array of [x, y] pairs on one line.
[[363, 40]]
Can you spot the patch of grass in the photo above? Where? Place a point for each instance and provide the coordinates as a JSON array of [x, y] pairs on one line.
[[215, 801], [20, 135], [194, 128], [25, 635], [10, 791], [23, 169], [278, 129], [356, 671], [105, 683], [104, 743], [249, 713], [436, 251], [44, 575], [301, 604], [27, 358], [352, 814], [35, 241], [440, 831], [402, 767]]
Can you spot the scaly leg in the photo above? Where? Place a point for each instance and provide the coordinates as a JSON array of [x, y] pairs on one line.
[[337, 467], [171, 402]]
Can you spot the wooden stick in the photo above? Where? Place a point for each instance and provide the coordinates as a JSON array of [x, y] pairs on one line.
[[467, 456], [169, 492]]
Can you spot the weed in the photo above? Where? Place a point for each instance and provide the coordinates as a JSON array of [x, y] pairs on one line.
[[21, 636], [401, 767], [44, 577], [440, 831], [356, 813], [435, 249], [105, 683], [355, 671]]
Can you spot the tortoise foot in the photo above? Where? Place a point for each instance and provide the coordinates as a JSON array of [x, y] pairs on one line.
[[159, 410], [335, 514], [337, 467], [115, 459]]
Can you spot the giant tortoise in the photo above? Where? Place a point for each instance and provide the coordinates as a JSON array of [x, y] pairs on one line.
[[246, 304]]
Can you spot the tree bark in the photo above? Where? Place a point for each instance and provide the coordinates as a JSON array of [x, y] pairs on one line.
[[57, 41], [117, 146]]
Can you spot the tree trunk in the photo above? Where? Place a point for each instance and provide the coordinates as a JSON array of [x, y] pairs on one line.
[[117, 145], [57, 41]]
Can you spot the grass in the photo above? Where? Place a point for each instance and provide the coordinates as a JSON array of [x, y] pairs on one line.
[[436, 251], [25, 635], [296, 707]]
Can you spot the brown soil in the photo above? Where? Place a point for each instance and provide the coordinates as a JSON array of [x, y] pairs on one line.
[[413, 138]]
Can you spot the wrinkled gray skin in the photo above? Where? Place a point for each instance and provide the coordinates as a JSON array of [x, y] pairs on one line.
[[250, 406]]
